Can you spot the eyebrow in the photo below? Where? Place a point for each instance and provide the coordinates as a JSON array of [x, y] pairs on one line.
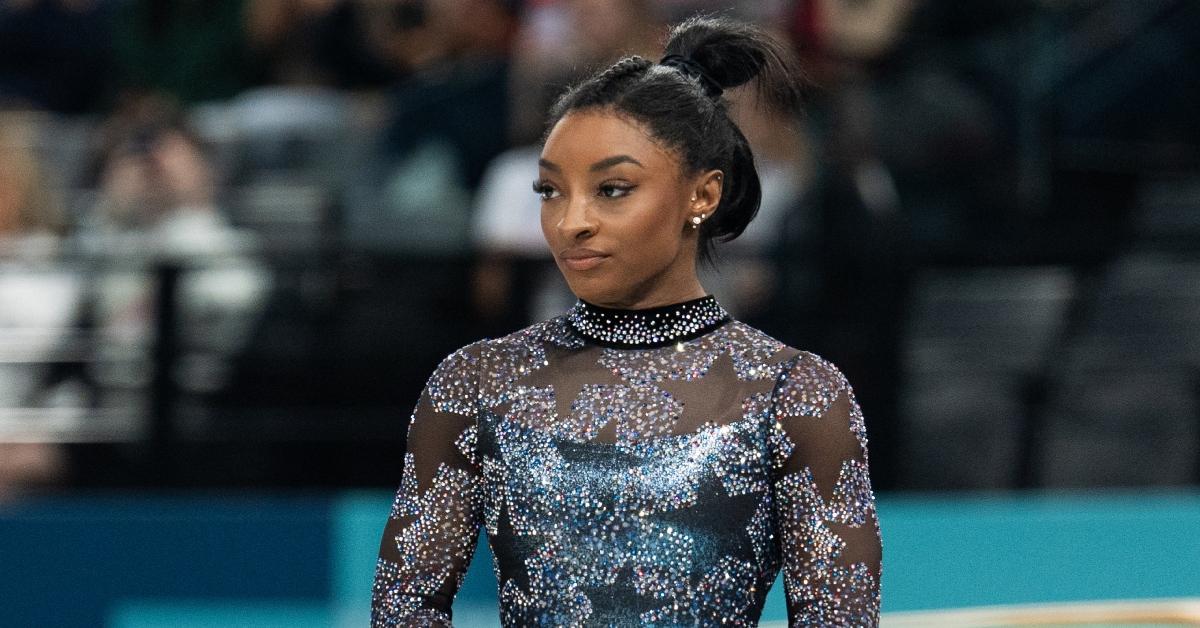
[[607, 162]]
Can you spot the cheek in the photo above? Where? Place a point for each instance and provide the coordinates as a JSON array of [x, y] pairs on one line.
[[656, 234], [667, 219], [664, 232]]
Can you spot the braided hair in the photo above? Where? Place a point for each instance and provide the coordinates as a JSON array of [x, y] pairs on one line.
[[680, 102]]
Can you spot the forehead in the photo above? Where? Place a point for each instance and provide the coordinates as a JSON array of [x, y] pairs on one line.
[[582, 138]]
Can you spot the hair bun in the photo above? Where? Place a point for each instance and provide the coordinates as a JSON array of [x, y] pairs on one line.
[[690, 68], [730, 53]]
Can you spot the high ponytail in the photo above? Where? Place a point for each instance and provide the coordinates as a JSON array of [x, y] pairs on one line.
[[680, 101]]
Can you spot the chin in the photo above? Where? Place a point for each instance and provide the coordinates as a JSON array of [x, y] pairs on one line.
[[594, 289]]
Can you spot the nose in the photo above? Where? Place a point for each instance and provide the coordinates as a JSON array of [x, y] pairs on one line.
[[576, 221]]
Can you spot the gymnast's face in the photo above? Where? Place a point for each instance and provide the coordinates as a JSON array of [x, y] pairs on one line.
[[616, 206]]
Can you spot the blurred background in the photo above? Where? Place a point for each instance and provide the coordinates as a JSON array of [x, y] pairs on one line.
[[236, 236]]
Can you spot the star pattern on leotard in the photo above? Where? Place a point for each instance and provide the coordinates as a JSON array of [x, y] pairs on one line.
[[677, 477]]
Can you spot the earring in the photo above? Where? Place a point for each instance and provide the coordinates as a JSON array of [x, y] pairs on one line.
[[696, 220]]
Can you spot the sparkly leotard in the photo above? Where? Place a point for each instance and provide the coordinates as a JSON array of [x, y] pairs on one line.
[[635, 467]]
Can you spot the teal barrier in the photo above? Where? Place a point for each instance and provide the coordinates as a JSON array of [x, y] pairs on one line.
[[972, 550], [196, 561]]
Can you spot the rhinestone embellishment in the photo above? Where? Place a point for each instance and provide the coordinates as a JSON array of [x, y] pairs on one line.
[[647, 327]]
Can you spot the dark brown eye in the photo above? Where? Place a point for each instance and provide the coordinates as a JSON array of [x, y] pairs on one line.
[[544, 190], [615, 190]]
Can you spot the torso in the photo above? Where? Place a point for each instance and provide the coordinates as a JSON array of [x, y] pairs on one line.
[[629, 486]]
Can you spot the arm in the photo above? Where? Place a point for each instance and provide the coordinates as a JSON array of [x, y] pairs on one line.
[[434, 522], [825, 509]]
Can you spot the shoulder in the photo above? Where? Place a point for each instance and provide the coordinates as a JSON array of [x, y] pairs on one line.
[[461, 359], [811, 385], [530, 341], [739, 338], [815, 397], [453, 384], [481, 371], [795, 366], [808, 384], [533, 338]]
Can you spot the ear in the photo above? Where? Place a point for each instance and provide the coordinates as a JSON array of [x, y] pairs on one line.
[[706, 195]]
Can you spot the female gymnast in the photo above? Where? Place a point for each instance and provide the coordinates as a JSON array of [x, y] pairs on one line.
[[642, 458]]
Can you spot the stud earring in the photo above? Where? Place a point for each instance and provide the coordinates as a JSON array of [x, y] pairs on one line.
[[696, 220]]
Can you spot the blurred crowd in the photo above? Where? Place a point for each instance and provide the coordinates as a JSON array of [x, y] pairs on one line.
[[197, 167]]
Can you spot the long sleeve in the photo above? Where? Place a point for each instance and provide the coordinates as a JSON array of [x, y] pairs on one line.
[[824, 505], [430, 534]]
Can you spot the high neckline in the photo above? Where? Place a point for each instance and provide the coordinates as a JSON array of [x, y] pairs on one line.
[[646, 328]]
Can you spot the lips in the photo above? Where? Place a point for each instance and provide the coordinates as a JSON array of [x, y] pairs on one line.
[[581, 258]]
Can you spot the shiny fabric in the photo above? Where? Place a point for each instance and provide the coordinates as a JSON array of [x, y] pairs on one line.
[[658, 485]]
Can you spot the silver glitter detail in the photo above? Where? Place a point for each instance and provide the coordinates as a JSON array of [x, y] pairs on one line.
[[494, 475], [391, 608], [810, 387], [853, 501], [405, 502], [749, 349], [781, 445], [640, 412], [448, 390], [431, 544], [761, 531], [646, 327], [821, 589], [466, 443]]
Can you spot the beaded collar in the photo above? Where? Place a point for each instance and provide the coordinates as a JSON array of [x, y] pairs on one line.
[[647, 327]]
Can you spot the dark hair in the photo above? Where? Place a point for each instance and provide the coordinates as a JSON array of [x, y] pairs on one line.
[[681, 106]]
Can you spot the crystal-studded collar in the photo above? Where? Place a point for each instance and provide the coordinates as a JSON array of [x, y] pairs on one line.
[[648, 327]]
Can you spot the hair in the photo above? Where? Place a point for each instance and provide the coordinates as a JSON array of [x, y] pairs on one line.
[[684, 109]]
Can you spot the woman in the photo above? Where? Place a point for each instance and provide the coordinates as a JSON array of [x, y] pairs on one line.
[[642, 458]]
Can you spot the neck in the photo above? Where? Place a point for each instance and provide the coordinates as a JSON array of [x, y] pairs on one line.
[[657, 299], [677, 284]]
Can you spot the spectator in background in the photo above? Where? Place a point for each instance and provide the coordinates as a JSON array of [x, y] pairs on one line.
[[449, 120], [151, 172], [157, 209], [38, 300], [39, 294]]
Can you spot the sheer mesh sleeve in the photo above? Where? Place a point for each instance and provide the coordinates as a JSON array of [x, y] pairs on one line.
[[431, 531], [825, 509]]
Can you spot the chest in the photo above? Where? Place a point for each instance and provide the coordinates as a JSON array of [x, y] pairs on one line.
[[547, 477]]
